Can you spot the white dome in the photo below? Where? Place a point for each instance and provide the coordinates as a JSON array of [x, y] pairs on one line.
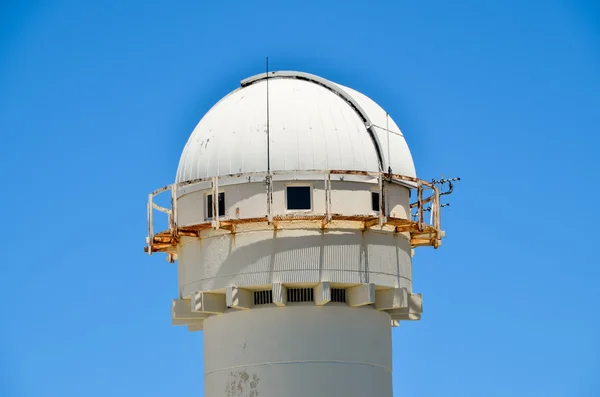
[[314, 124]]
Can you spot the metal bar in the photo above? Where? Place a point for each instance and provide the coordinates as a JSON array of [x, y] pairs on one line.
[[437, 221], [381, 209], [262, 173], [326, 188], [215, 202], [159, 208], [269, 198], [433, 211], [329, 187], [268, 119], [340, 172], [387, 128], [216, 214], [212, 221], [150, 224], [160, 190], [172, 225], [420, 205], [423, 201], [174, 207], [269, 175]]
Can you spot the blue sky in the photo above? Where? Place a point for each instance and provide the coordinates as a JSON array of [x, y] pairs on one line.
[[98, 98]]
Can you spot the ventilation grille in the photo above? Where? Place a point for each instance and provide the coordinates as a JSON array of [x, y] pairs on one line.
[[300, 295], [338, 295], [263, 297]]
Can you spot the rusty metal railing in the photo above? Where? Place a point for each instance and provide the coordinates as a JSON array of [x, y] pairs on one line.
[[427, 195]]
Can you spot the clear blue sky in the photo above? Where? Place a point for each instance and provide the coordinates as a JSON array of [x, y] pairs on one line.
[[98, 98]]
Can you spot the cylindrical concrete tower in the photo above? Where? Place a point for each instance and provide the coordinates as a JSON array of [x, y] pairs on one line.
[[293, 230]]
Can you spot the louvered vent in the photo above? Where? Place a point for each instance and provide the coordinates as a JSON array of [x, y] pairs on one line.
[[300, 295], [263, 297], [338, 295]]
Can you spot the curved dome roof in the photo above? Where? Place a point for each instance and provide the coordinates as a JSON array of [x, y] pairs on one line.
[[314, 124]]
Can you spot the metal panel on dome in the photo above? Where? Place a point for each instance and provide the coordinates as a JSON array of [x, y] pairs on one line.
[[311, 127], [391, 147], [395, 149], [337, 90]]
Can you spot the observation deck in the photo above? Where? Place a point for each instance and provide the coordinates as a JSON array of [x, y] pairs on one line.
[[421, 231]]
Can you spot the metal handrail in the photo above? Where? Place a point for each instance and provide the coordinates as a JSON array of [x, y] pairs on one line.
[[383, 178]]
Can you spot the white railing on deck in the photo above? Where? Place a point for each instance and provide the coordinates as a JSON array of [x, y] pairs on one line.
[[421, 186]]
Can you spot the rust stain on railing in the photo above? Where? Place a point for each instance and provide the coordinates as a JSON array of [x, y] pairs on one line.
[[421, 233]]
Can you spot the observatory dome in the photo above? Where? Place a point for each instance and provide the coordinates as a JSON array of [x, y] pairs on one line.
[[314, 124]]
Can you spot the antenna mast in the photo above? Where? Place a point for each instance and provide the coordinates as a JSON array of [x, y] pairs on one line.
[[387, 128], [268, 135], [269, 176]]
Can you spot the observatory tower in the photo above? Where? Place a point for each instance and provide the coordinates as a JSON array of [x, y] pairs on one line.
[[293, 219]]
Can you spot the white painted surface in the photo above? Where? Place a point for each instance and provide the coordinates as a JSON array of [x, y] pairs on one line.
[[299, 257], [398, 155], [361, 295], [298, 351], [250, 200], [311, 128]]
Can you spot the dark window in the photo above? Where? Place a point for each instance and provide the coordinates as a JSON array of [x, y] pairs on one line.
[[263, 297], [209, 205], [375, 201], [300, 295], [338, 295], [298, 198]]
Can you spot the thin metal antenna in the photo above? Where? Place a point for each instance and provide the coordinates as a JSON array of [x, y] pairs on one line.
[[444, 191], [268, 132], [269, 176], [442, 182], [387, 128]]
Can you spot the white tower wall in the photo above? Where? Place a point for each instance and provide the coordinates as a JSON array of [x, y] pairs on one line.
[[255, 260], [300, 351]]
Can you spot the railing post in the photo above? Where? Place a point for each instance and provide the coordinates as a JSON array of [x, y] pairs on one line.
[[173, 225], [328, 197], [438, 211], [381, 200], [269, 180], [215, 202], [435, 210], [420, 205], [150, 224]]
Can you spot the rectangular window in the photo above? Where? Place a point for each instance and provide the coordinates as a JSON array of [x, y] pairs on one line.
[[209, 205], [300, 295], [263, 297], [298, 197], [375, 201], [338, 295]]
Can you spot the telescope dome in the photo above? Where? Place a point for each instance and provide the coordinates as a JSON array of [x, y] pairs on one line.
[[313, 123]]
